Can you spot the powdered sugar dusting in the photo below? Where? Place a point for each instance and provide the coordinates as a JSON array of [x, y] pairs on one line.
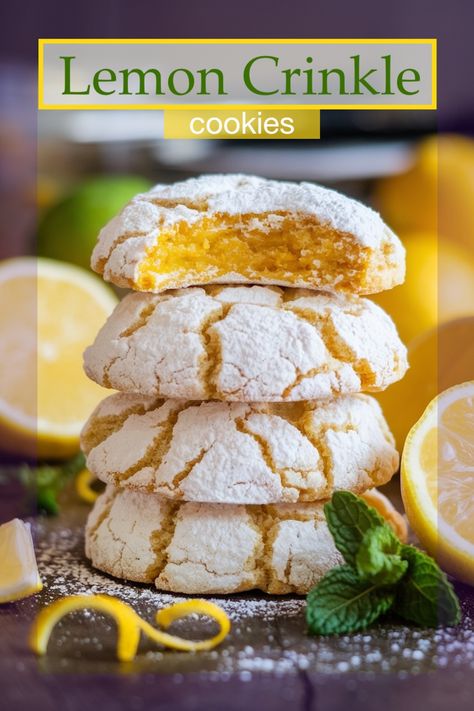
[[265, 344], [268, 634], [69, 573], [251, 203], [246, 194]]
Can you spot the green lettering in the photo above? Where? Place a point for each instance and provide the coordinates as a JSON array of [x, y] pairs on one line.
[[325, 74], [387, 58], [142, 75], [204, 73], [358, 79], [247, 74], [289, 73], [67, 79], [310, 90], [401, 79], [171, 81], [99, 78]]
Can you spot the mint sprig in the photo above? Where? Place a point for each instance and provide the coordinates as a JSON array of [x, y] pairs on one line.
[[378, 558], [349, 518], [46, 481], [426, 596], [380, 575], [344, 602]]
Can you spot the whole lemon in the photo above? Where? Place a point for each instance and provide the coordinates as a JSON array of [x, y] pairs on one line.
[[439, 285], [436, 192], [68, 230], [439, 359]]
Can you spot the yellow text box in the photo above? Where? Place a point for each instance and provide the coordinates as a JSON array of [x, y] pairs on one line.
[[246, 123]]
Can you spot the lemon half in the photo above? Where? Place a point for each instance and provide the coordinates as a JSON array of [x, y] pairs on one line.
[[438, 480], [49, 313]]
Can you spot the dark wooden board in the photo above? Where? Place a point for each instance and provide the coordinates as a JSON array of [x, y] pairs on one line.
[[267, 662]]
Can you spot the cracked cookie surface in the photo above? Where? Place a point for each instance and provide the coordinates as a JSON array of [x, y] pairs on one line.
[[212, 548], [244, 229], [246, 344], [239, 453], [209, 548]]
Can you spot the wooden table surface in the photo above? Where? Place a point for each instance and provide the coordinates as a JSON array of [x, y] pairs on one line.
[[267, 662]]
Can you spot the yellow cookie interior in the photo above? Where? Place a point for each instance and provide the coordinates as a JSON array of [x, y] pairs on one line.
[[284, 249]]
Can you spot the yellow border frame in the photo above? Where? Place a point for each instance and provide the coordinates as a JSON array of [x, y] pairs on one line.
[[153, 107]]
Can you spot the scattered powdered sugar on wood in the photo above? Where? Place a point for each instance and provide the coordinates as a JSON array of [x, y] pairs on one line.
[[268, 634], [69, 573]]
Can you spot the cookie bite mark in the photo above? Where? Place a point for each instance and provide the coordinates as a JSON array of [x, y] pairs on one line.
[[280, 248], [244, 229], [117, 240]]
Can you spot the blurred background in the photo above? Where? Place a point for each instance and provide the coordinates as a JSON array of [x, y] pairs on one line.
[[64, 174]]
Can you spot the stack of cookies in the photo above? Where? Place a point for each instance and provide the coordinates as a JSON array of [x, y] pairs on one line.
[[241, 357]]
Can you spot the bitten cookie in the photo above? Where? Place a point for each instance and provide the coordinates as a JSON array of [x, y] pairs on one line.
[[241, 229], [246, 344], [209, 548], [240, 452]]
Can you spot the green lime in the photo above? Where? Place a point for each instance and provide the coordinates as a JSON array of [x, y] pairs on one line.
[[68, 230]]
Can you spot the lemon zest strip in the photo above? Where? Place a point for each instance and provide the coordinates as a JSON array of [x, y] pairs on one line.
[[167, 615], [83, 486], [130, 624]]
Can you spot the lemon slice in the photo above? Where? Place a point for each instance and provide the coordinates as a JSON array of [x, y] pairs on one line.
[[19, 575], [129, 624], [438, 480], [49, 313]]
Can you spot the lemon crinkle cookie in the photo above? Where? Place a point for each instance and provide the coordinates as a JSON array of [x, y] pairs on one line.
[[209, 548], [240, 453], [212, 548], [244, 229], [246, 343]]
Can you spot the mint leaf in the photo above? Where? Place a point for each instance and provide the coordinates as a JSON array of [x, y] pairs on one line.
[[342, 602], [349, 518], [426, 597], [47, 501], [381, 574], [378, 558]]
